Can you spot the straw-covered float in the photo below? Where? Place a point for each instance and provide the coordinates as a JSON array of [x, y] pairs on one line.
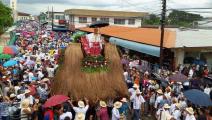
[[91, 69]]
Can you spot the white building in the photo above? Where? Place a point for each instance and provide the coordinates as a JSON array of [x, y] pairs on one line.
[[193, 44], [59, 21], [24, 16], [84, 17]]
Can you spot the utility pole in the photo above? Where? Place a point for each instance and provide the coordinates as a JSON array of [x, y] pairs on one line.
[[162, 24], [52, 18]]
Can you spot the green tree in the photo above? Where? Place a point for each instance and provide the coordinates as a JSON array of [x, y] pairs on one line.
[[152, 20], [6, 19], [182, 18]]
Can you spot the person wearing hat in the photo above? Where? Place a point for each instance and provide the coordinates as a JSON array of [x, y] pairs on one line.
[[159, 98], [173, 104], [168, 91], [26, 95], [132, 92], [163, 113], [81, 109], [125, 108], [177, 113], [102, 113], [138, 100], [189, 114], [115, 112], [26, 111]]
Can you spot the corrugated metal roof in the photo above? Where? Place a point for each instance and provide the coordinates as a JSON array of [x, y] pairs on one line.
[[147, 36], [193, 38], [23, 14]]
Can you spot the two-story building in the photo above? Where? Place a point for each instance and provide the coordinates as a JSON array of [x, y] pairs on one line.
[[24, 16], [59, 21], [83, 17]]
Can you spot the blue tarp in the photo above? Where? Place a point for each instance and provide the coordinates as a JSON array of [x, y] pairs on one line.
[[143, 48]]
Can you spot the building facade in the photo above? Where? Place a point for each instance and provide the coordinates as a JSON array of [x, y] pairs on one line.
[[59, 21], [24, 16], [193, 46], [83, 17]]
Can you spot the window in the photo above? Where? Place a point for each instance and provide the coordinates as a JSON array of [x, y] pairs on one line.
[[131, 21], [57, 17], [105, 20], [71, 18], [93, 20], [82, 19], [119, 21]]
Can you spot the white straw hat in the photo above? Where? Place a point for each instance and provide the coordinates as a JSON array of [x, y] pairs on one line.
[[81, 104], [103, 104], [190, 110]]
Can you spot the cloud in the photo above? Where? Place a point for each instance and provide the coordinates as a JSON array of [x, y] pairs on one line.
[[152, 6]]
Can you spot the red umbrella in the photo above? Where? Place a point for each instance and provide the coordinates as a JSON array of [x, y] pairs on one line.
[[8, 50], [55, 100]]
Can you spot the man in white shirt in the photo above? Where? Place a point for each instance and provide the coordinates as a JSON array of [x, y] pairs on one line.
[[26, 95], [137, 100], [115, 112], [190, 114], [50, 71], [177, 113], [163, 113], [65, 114], [40, 74], [30, 76], [81, 109], [159, 98], [132, 92]]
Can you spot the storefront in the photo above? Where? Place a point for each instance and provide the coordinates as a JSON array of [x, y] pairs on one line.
[[197, 56]]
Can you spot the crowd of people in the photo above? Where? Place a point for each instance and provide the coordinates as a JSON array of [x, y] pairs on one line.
[[166, 101], [26, 86]]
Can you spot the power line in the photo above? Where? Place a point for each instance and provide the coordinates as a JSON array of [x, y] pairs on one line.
[[190, 8]]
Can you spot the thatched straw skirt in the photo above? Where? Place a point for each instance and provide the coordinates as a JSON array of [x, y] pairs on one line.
[[70, 80]]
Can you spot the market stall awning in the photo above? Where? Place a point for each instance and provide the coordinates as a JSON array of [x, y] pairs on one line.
[[143, 48]]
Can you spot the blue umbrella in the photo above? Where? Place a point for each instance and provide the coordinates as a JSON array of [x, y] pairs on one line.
[[15, 49], [10, 63], [198, 97]]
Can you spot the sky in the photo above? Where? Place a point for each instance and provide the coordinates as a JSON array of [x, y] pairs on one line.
[[152, 6]]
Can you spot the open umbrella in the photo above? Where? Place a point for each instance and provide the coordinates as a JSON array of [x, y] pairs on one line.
[[55, 100], [15, 49], [5, 56], [99, 24], [10, 63], [8, 50], [178, 77], [198, 97]]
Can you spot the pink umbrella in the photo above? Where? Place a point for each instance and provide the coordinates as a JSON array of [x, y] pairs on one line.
[[55, 100], [8, 50]]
